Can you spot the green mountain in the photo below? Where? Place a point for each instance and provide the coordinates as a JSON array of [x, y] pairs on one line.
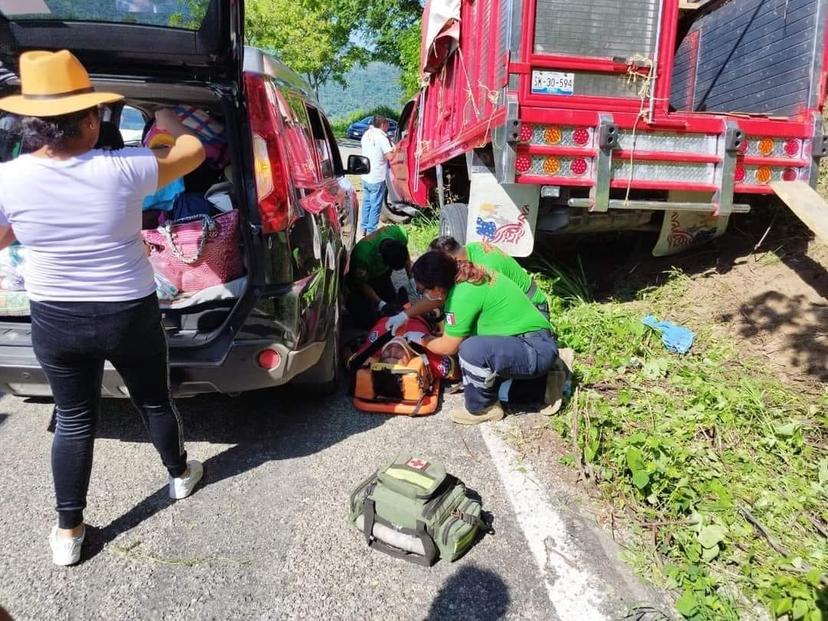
[[368, 87]]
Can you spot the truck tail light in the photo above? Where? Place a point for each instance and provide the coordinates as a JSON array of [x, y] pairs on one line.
[[744, 146], [272, 187], [789, 174], [523, 164], [526, 133], [792, 147], [766, 147], [552, 135], [579, 166], [581, 136], [739, 174], [551, 166], [764, 175]]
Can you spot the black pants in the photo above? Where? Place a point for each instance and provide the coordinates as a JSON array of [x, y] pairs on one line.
[[72, 340], [363, 311]]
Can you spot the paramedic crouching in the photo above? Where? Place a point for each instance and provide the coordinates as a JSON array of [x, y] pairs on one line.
[[496, 329]]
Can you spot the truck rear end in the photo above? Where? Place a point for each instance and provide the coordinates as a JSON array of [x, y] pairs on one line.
[[618, 115]]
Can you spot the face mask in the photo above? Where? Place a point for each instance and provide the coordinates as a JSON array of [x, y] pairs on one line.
[[432, 298]]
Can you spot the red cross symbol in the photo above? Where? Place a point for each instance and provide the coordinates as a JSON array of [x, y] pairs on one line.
[[417, 463]]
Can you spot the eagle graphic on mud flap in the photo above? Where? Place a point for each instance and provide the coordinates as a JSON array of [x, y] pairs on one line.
[[503, 214], [496, 229]]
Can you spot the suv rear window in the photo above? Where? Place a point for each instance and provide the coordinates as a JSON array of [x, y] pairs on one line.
[[186, 14]]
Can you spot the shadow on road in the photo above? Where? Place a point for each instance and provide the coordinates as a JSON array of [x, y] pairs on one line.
[[471, 593], [3, 418], [264, 426]]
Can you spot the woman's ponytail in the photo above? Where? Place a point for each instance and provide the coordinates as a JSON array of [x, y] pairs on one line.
[[471, 273]]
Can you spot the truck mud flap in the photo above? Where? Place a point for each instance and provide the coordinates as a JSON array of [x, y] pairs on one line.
[[503, 214]]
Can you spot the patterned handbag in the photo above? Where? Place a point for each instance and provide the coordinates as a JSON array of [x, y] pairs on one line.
[[195, 253]]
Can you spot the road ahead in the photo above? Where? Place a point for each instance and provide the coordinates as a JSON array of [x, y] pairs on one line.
[[267, 536]]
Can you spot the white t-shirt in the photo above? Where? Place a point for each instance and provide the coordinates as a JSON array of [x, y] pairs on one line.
[[80, 221], [375, 146]]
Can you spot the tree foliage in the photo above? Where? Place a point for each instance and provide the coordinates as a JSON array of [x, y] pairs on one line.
[[324, 39], [313, 37], [409, 60]]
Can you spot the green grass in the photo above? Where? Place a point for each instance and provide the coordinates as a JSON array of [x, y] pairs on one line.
[[688, 450], [422, 230], [339, 125]]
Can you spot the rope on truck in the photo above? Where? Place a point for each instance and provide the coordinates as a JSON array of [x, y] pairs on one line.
[[644, 92]]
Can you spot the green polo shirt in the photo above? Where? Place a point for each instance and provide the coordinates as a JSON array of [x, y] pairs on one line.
[[498, 261], [366, 261], [496, 308]]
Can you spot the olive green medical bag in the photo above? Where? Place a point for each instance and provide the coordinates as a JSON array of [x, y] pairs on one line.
[[413, 509]]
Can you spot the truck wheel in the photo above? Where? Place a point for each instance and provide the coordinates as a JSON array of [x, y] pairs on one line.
[[453, 221], [388, 215]]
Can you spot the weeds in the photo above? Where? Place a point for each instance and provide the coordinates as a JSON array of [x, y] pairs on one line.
[[422, 230], [723, 468]]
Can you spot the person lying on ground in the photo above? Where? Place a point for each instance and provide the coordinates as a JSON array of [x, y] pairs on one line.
[[374, 258], [497, 331], [441, 365]]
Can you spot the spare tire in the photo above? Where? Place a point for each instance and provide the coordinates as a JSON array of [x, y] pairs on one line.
[[454, 219]]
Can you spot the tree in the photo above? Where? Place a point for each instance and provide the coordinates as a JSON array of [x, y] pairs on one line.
[[385, 22], [409, 60], [314, 37]]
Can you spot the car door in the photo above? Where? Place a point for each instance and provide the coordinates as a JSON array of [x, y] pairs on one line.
[[176, 39]]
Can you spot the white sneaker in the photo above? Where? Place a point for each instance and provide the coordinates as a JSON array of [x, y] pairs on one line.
[[66, 550], [182, 487]]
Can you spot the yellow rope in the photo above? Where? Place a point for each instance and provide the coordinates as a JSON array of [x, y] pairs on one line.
[[469, 89], [633, 78]]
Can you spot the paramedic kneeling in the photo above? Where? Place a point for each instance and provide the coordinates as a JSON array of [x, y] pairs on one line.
[[495, 259], [498, 332], [371, 292]]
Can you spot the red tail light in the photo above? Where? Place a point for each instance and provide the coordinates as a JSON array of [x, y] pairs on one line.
[[272, 187]]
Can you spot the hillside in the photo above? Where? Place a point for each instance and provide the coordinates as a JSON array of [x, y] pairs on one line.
[[374, 85]]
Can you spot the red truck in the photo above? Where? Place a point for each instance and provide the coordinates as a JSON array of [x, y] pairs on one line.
[[572, 117]]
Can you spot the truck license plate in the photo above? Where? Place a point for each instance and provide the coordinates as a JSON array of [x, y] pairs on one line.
[[552, 83]]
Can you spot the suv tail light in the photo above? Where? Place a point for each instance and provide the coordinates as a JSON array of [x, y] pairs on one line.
[[272, 187]]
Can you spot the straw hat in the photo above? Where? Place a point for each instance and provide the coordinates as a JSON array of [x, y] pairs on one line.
[[54, 83]]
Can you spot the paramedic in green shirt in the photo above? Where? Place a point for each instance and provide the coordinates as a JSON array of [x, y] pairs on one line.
[[499, 334], [372, 293], [498, 261], [491, 258]]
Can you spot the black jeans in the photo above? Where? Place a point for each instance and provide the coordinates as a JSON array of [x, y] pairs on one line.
[[363, 311], [72, 340]]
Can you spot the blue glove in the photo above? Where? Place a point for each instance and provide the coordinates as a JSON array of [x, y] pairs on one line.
[[676, 339]]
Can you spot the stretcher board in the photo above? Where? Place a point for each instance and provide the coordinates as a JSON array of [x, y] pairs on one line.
[[806, 203]]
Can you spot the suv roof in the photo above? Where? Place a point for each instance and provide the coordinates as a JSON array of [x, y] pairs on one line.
[[178, 39]]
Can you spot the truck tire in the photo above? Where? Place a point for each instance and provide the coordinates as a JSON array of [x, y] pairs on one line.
[[453, 221], [388, 215]]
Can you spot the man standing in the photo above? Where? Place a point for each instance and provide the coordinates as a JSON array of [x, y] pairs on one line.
[[377, 148]]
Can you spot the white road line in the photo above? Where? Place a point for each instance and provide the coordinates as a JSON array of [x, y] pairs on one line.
[[569, 583]]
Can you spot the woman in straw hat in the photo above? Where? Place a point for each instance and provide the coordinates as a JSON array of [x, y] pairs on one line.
[[78, 212]]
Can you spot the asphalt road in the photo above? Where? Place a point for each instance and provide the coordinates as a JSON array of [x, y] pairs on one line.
[[267, 536]]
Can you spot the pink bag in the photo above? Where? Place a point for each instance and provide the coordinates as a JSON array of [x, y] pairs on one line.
[[197, 252]]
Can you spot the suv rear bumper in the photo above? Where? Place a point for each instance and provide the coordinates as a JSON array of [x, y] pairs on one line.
[[21, 375]]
